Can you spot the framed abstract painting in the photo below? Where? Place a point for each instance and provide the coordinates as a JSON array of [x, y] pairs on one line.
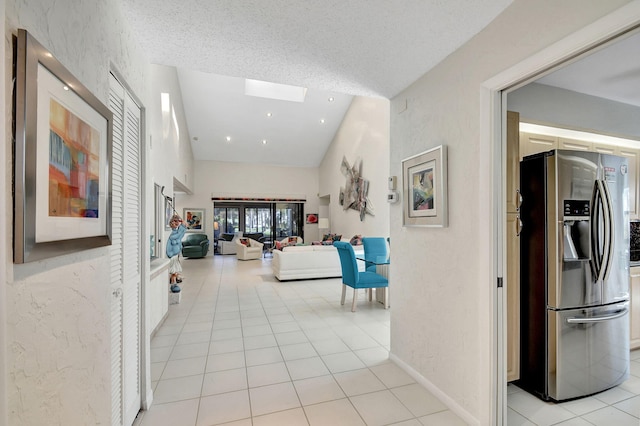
[[62, 198], [424, 184], [195, 219]]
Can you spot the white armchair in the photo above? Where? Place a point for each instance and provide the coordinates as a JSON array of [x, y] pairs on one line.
[[247, 249], [228, 247]]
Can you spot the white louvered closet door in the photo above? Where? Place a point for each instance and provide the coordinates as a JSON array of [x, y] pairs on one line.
[[125, 256]]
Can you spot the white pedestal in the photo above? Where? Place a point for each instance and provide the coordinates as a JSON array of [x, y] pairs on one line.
[[174, 298]]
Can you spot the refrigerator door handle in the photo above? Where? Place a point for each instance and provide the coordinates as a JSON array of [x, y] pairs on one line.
[[601, 255], [574, 320], [609, 225]]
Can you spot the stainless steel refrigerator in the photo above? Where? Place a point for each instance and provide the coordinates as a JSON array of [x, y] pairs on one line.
[[574, 273]]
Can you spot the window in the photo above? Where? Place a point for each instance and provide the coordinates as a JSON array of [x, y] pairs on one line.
[[228, 219], [273, 220], [289, 219], [258, 219]]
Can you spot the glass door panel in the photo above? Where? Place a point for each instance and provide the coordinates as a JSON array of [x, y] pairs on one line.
[[228, 219], [258, 219], [288, 220]]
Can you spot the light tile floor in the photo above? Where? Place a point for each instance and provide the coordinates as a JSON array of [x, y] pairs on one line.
[[619, 406], [242, 349]]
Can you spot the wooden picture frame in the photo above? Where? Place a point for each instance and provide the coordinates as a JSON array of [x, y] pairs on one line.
[[62, 168], [424, 184]]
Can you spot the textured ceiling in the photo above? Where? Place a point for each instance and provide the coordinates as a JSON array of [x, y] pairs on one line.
[[358, 47], [334, 48]]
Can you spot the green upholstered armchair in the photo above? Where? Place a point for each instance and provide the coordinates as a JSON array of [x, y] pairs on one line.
[[195, 245]]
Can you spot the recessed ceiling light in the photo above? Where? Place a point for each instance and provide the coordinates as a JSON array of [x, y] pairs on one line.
[[269, 114], [228, 138], [65, 87], [331, 99], [322, 121], [264, 141]]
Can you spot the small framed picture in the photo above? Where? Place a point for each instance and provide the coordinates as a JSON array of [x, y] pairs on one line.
[[312, 218], [194, 219], [424, 183]]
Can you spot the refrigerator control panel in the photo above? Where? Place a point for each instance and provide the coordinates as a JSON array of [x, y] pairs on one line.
[[577, 208]]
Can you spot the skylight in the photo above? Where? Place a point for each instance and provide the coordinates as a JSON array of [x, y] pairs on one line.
[[283, 92]]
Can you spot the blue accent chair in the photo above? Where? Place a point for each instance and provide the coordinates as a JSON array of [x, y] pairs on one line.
[[374, 246], [352, 277]]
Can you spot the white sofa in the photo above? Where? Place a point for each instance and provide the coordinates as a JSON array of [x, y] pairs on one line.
[[306, 262]]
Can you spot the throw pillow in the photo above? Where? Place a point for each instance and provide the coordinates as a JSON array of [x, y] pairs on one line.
[[316, 243], [245, 242], [356, 240], [280, 245], [327, 237], [327, 243], [293, 240]]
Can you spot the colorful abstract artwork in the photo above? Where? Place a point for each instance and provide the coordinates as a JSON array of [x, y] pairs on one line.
[[194, 219], [424, 184], [62, 159], [74, 165], [422, 188]]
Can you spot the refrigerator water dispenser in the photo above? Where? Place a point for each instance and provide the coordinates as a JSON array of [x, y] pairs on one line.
[[577, 230]]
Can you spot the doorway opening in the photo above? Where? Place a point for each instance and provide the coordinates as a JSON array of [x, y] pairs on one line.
[[599, 35]]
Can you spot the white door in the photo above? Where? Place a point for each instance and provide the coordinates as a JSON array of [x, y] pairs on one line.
[[125, 256]]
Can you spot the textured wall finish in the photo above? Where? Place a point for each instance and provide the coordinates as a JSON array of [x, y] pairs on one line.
[[58, 310], [59, 348]]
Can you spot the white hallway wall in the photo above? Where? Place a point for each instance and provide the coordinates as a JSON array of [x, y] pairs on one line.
[[57, 310], [446, 337], [170, 146], [225, 179], [364, 134]]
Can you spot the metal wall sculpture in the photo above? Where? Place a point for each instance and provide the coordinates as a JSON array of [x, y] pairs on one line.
[[354, 194]]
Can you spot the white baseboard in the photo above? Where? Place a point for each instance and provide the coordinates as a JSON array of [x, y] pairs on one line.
[[443, 397]]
